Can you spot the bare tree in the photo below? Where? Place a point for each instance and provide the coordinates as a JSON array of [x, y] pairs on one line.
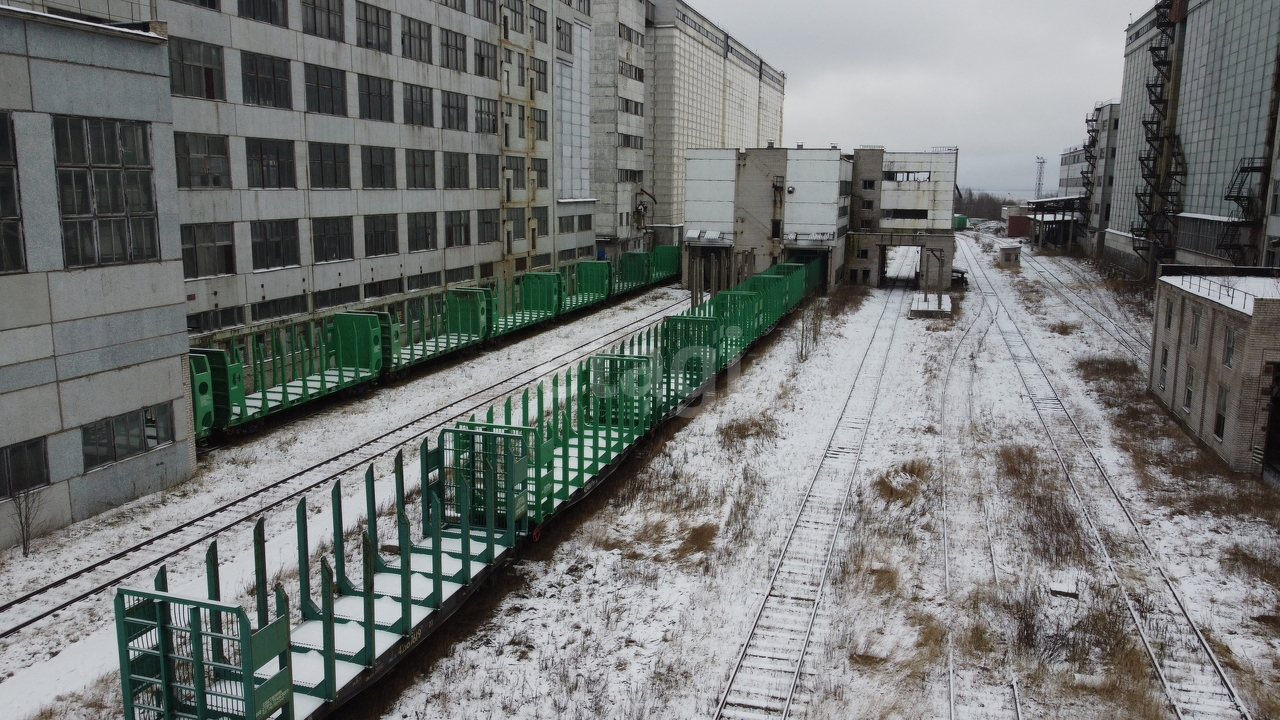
[[28, 508]]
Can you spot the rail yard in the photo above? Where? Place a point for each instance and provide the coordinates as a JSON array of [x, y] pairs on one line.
[[869, 516]]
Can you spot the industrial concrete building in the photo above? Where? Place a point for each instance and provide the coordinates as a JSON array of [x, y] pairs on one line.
[[1196, 139], [1216, 360], [903, 199], [705, 90], [93, 403], [746, 210]]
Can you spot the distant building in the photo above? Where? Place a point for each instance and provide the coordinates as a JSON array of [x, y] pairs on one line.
[[1070, 171], [747, 210], [1216, 361], [94, 408], [1195, 145], [706, 90], [903, 199]]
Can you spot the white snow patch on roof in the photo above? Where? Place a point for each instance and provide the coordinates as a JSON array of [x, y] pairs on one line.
[[1234, 292]]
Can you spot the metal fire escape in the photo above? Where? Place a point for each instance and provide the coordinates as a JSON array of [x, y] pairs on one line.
[[1164, 166], [1088, 176], [1249, 206]]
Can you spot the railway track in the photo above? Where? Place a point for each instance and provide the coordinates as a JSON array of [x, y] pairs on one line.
[[1133, 344], [101, 575], [766, 675], [1187, 669]]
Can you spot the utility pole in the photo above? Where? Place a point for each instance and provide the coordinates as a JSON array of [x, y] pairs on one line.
[[1040, 163]]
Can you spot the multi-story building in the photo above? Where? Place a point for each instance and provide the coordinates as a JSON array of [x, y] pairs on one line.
[[1196, 137], [94, 409], [746, 210], [572, 161], [1070, 171], [903, 199], [1216, 361], [705, 90]]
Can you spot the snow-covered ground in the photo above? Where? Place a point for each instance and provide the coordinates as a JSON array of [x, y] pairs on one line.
[[967, 583], [72, 650]]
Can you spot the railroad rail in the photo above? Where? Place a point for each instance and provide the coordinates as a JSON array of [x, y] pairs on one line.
[[1133, 344], [103, 574], [1188, 670], [766, 675]]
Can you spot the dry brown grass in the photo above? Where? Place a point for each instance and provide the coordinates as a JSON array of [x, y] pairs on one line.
[[698, 540], [1263, 564], [1064, 328], [759, 428], [846, 299], [903, 484], [1050, 524]]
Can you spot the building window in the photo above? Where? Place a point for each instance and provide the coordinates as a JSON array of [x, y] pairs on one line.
[[375, 98], [270, 163], [422, 231], [394, 286], [453, 50], [326, 90], [1164, 365], [541, 175], [420, 169], [105, 191], [1220, 419], [519, 226], [1187, 392], [323, 18], [868, 184], [906, 214], [627, 70], [632, 36], [331, 240], [267, 11], [487, 222], [565, 223], [457, 173], [631, 176], [1229, 347], [540, 75], [486, 270], [487, 116], [515, 163], [373, 27], [265, 80], [1168, 314], [541, 221], [418, 109], [195, 70], [280, 307], [124, 436], [487, 173], [424, 281], [11, 255], [202, 161], [486, 59], [538, 23], [275, 244], [584, 223], [630, 141], [540, 126], [207, 4], [517, 14], [564, 36], [631, 107], [378, 167], [208, 250], [380, 235], [330, 165], [211, 320], [487, 10], [453, 110], [336, 296], [868, 204], [867, 224], [415, 39], [461, 274], [1195, 328], [457, 229]]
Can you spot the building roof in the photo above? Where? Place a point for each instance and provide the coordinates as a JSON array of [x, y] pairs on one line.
[[1237, 293]]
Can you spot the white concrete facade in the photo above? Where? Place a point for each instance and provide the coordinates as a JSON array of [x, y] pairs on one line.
[[93, 408]]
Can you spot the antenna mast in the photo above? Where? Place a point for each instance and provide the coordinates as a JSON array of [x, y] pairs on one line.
[[1040, 162]]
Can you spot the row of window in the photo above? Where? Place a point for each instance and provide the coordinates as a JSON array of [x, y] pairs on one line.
[[631, 107], [208, 249], [11, 249], [196, 70], [628, 70], [1228, 333], [203, 161]]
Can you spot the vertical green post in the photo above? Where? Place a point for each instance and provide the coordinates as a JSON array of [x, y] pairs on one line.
[[406, 573], [328, 644], [370, 618], [260, 571], [214, 582], [437, 554], [371, 506], [345, 586], [197, 663]]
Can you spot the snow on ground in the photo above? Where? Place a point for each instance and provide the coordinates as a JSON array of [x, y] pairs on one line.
[[641, 612], [64, 653]]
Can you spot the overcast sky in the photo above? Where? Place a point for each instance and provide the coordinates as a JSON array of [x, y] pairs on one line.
[[1005, 80]]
